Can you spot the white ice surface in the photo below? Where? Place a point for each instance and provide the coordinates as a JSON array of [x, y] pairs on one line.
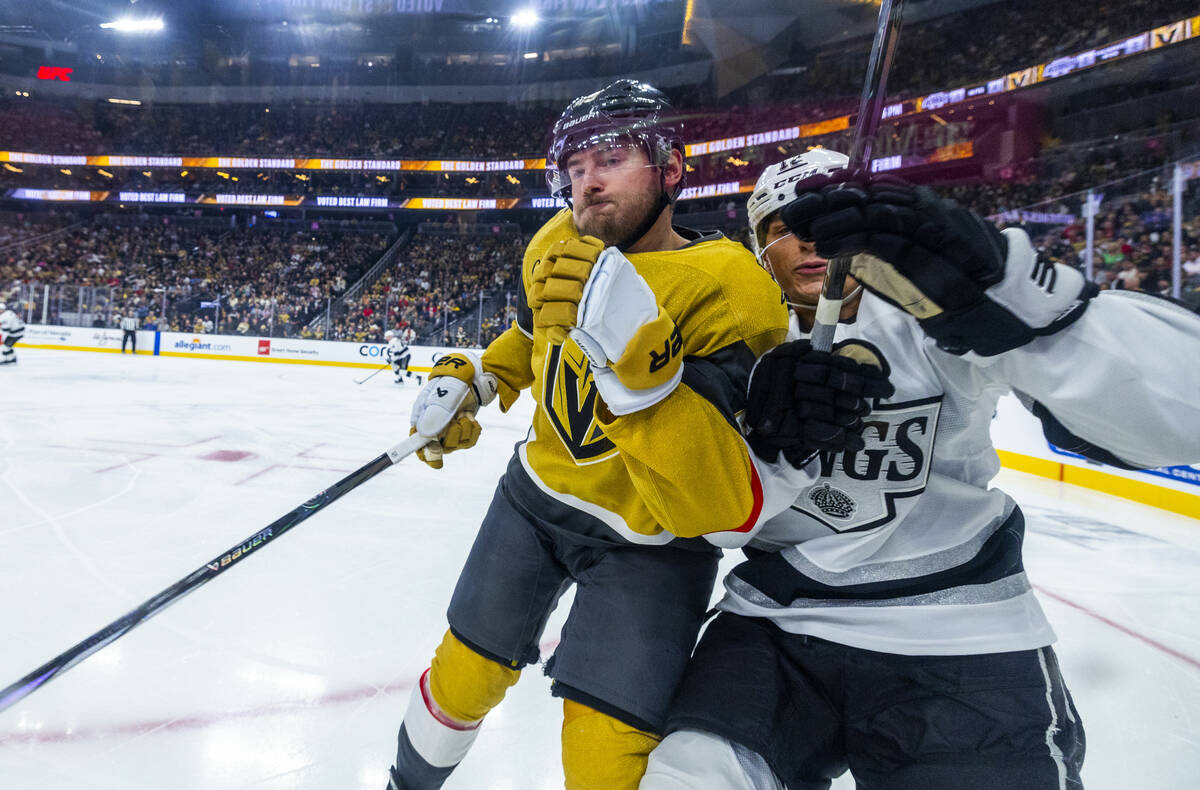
[[292, 669]]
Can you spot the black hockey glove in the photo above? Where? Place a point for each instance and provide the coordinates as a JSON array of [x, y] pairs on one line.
[[970, 286], [803, 401]]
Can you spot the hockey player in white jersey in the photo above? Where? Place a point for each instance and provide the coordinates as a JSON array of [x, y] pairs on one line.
[[12, 329], [398, 356], [883, 623]]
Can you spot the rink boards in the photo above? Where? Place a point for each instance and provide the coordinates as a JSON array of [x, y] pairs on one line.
[[248, 348], [1016, 433], [1021, 446]]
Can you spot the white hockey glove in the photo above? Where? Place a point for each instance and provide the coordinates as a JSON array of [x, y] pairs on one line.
[[444, 411], [970, 286], [632, 344]]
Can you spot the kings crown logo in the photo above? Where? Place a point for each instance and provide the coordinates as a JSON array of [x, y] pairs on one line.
[[832, 502]]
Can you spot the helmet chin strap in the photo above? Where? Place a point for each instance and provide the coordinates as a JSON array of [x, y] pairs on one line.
[[766, 264]]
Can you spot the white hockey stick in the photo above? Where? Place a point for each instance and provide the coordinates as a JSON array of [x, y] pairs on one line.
[[368, 378]]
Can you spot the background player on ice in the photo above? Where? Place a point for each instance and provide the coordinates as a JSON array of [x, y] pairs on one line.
[[883, 622], [12, 329], [603, 492], [398, 356]]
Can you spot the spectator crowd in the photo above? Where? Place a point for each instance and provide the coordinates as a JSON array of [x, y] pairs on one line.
[[182, 277], [937, 54], [460, 288], [444, 287], [202, 274]]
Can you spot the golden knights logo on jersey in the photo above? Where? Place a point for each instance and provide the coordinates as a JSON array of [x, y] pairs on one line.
[[858, 490], [570, 401]]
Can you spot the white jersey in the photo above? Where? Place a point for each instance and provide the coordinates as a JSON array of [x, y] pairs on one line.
[[129, 323], [902, 547], [396, 349], [11, 324]]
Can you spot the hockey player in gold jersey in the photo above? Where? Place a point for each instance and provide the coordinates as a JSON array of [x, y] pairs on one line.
[[636, 338]]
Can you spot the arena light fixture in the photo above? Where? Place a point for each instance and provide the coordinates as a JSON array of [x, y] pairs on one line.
[[525, 18], [132, 25]]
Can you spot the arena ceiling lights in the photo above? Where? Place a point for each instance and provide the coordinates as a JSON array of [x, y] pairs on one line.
[[526, 18], [132, 25]]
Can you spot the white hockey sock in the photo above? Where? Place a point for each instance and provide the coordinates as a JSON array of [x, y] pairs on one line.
[[438, 739]]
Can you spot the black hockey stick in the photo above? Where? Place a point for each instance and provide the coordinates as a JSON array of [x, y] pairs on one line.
[[870, 107], [39, 677]]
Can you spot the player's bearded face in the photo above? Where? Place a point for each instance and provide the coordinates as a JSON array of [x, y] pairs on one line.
[[613, 189]]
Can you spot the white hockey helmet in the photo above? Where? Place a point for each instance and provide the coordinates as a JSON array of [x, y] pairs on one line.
[[3, 307], [776, 188], [388, 335]]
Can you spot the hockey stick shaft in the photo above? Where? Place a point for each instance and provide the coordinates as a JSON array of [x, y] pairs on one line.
[[39, 677], [368, 378], [870, 107]]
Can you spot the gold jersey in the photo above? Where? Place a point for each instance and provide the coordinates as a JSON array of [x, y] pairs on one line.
[[679, 467]]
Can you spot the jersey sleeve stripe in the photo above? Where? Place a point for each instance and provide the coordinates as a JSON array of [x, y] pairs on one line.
[[786, 579], [756, 489]]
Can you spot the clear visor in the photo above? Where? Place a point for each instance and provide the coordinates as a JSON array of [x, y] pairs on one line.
[[599, 156]]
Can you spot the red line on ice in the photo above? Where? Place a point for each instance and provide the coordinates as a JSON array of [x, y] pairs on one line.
[[226, 455], [1122, 628], [198, 721], [202, 720]]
